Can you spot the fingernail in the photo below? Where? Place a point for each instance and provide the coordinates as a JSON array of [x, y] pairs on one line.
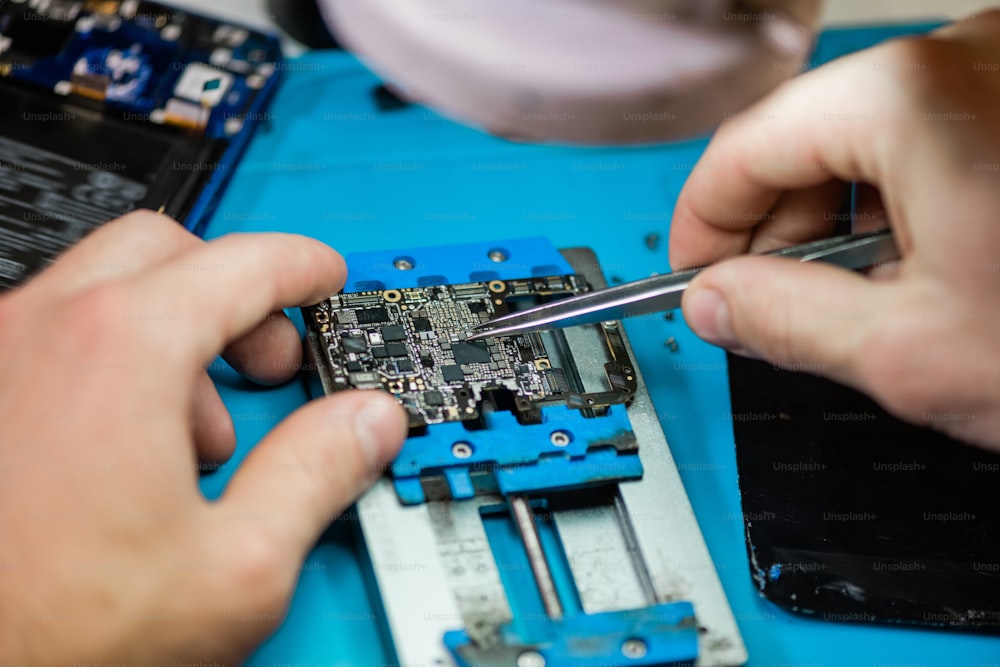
[[708, 315], [380, 427]]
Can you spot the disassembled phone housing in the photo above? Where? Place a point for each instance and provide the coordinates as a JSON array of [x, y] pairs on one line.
[[535, 516], [112, 105]]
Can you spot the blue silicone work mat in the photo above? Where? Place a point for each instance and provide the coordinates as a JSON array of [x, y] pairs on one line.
[[330, 164]]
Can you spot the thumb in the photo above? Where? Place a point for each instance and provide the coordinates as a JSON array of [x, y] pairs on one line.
[[312, 466], [811, 317]]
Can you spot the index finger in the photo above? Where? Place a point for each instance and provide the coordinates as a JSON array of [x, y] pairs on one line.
[[819, 126], [222, 290]]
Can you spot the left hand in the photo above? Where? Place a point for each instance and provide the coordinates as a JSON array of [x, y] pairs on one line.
[[111, 554]]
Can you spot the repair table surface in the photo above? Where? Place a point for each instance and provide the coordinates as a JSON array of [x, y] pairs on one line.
[[329, 164]]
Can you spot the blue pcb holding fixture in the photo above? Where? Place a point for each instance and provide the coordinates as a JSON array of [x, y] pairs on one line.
[[493, 455], [522, 450]]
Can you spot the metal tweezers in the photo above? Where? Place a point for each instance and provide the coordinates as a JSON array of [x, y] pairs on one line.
[[664, 292]]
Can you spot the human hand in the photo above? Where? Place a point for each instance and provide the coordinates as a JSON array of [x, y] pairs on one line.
[[112, 555], [918, 121]]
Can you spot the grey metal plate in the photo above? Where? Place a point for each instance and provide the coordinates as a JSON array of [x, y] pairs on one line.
[[435, 570]]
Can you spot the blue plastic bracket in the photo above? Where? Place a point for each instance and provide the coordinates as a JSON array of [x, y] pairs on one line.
[[663, 634]]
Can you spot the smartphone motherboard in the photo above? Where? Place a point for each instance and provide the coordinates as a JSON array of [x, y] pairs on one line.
[[412, 343]]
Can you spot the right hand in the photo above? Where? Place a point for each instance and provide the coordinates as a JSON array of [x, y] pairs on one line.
[[918, 121]]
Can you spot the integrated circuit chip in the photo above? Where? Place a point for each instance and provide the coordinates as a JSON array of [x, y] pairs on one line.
[[413, 344], [372, 315], [471, 353], [395, 332]]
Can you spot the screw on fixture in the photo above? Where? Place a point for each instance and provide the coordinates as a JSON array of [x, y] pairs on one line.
[[404, 263], [461, 450], [498, 255], [560, 438], [634, 649]]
